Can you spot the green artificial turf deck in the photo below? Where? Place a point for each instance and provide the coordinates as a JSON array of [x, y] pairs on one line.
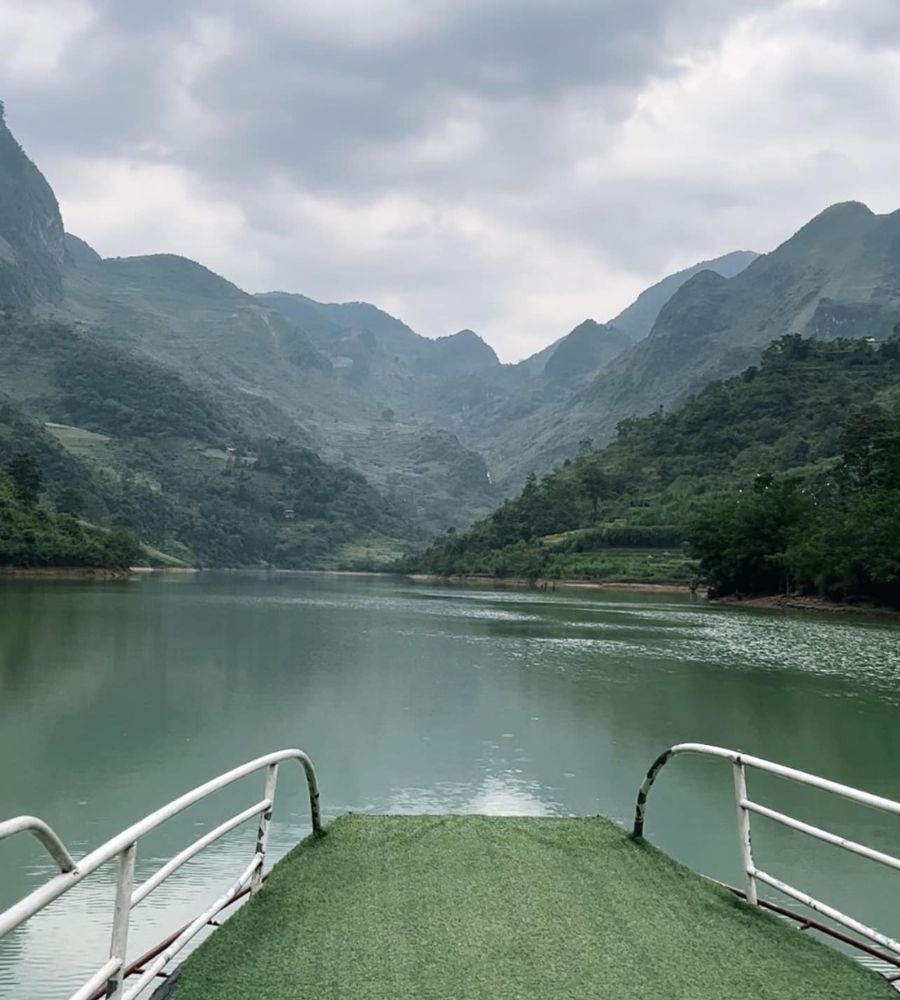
[[460, 908]]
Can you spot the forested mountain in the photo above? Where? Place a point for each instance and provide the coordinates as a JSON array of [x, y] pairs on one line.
[[457, 382], [787, 475], [125, 442], [839, 276], [337, 391], [636, 321], [236, 428]]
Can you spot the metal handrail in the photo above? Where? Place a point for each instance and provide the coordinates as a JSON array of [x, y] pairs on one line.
[[745, 806], [45, 834], [124, 847]]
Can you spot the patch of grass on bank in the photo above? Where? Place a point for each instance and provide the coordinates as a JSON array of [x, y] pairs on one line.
[[624, 566]]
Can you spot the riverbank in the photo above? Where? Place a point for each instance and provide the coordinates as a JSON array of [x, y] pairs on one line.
[[168, 570], [798, 602], [62, 573], [769, 602], [550, 585]]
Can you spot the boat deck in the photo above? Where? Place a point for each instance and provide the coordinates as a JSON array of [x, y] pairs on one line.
[[435, 907]]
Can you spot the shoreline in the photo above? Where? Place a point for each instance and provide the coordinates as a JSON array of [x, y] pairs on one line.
[[147, 570], [767, 602], [63, 573], [548, 584], [797, 602]]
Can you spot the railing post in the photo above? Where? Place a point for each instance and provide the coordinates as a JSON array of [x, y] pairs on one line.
[[121, 915], [262, 835], [743, 818]]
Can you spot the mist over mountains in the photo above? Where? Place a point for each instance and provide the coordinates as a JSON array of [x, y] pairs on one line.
[[231, 428]]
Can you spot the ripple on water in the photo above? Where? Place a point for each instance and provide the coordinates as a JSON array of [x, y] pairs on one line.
[[856, 652]]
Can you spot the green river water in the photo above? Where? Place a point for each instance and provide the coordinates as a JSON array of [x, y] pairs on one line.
[[116, 697]]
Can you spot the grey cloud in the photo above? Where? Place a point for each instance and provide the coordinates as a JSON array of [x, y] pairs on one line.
[[873, 23], [540, 85], [313, 106]]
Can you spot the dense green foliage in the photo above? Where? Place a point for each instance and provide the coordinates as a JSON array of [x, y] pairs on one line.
[[133, 446], [835, 534], [117, 394], [825, 413], [33, 536]]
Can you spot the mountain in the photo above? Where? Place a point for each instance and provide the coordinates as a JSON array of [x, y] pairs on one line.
[[336, 391], [837, 276], [31, 229], [789, 470], [586, 350], [153, 395], [351, 330], [462, 353], [127, 442], [209, 399], [305, 313], [636, 321]]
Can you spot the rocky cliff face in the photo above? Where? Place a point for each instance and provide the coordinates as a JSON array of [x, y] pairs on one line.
[[31, 230]]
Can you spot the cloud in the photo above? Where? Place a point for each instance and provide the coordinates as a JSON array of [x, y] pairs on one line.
[[508, 165], [34, 38]]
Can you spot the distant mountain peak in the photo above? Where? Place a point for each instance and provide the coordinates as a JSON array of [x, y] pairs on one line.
[[826, 233], [466, 332], [845, 208], [835, 217], [80, 253], [637, 320], [585, 351], [464, 351]]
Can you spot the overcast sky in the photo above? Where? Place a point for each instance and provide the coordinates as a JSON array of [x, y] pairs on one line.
[[512, 166]]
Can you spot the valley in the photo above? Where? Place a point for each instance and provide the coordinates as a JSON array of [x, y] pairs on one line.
[[223, 428]]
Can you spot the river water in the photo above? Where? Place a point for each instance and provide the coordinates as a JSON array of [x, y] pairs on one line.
[[116, 697]]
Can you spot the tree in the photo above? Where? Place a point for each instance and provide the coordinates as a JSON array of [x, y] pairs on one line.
[[23, 470], [70, 501], [594, 484], [742, 541]]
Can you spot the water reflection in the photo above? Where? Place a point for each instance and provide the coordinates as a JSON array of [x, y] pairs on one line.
[[506, 794]]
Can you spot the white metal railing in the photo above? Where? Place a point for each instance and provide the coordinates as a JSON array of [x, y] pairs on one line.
[[124, 847], [752, 874]]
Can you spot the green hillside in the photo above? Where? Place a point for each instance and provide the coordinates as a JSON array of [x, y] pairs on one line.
[[785, 476], [125, 442], [342, 392], [164, 385], [33, 536]]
